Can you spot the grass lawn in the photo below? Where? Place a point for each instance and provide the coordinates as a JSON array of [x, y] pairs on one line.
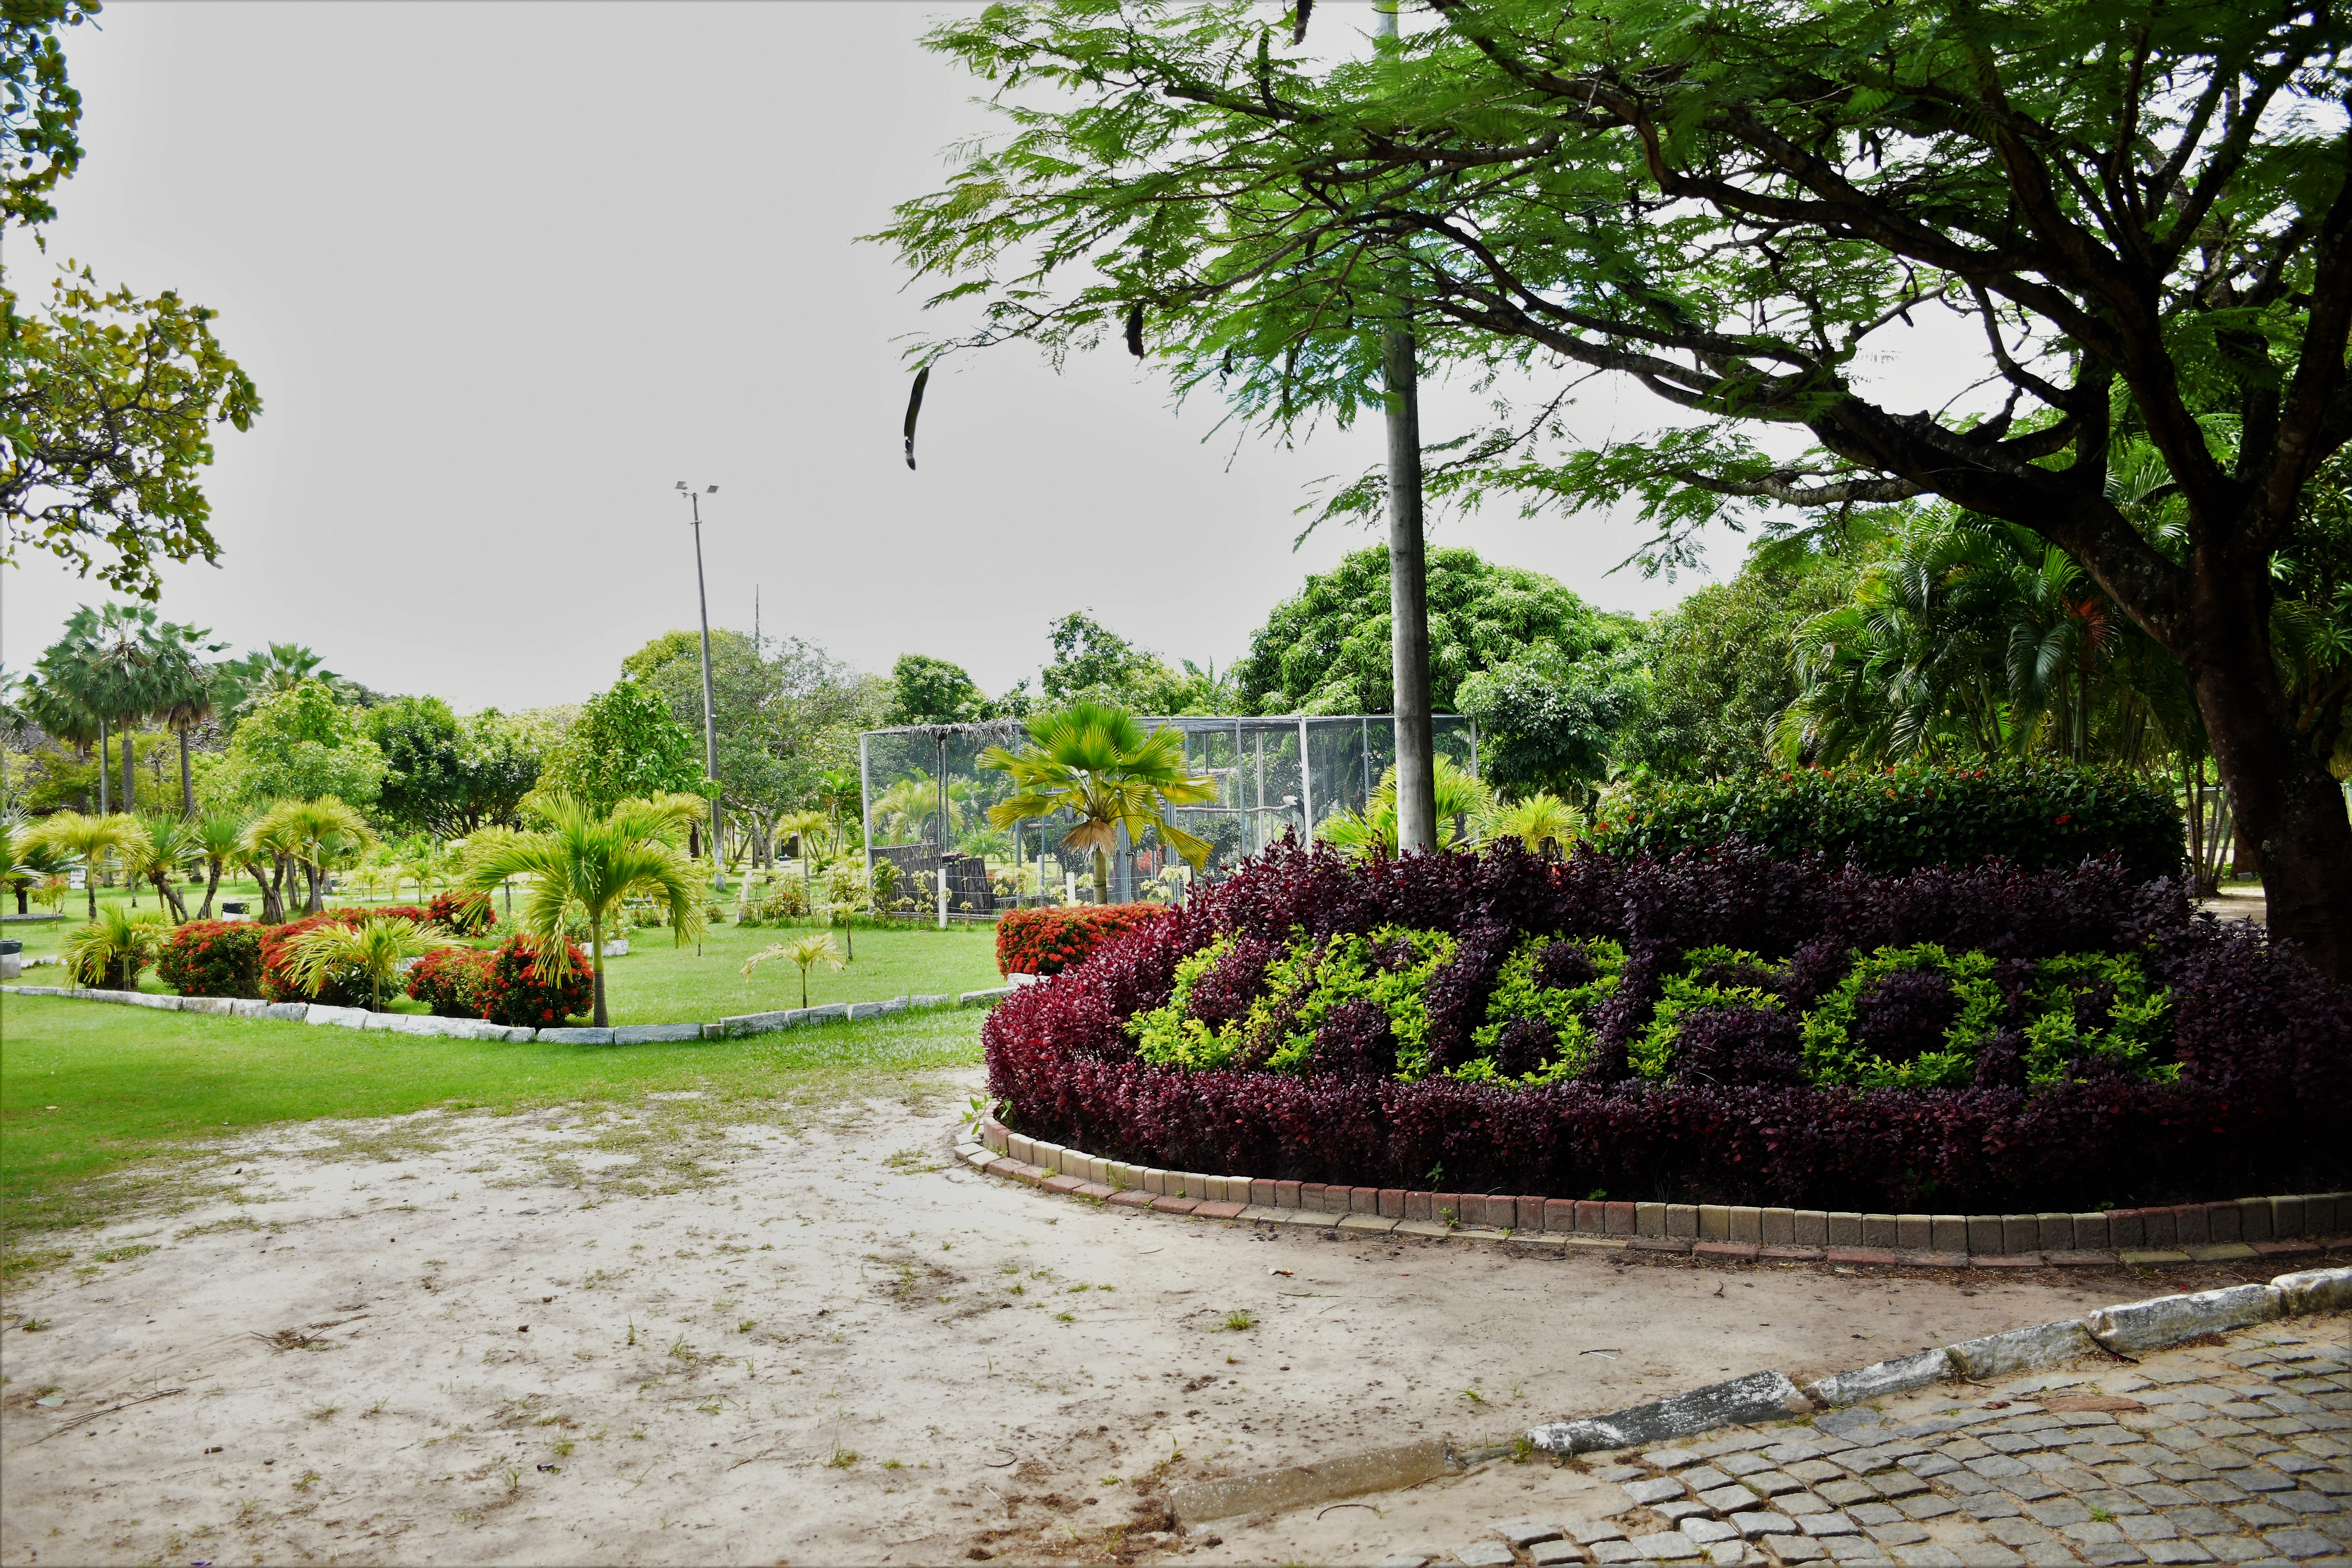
[[656, 983], [99, 1104]]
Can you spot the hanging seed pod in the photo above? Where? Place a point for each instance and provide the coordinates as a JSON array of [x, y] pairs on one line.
[[914, 410], [1135, 329]]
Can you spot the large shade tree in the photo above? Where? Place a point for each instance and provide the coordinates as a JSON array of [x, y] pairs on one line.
[[2139, 210]]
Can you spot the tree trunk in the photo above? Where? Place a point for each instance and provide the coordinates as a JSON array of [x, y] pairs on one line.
[[2289, 810], [104, 809], [169, 896], [187, 787], [1102, 880], [1408, 602], [212, 884], [596, 965], [89, 880], [127, 755]]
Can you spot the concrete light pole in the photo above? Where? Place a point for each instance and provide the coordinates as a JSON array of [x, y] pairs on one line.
[[1408, 572], [709, 723]]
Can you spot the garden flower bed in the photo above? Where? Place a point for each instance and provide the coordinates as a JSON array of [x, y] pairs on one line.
[[1714, 1027]]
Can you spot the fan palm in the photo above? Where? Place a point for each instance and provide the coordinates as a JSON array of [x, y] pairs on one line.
[[375, 947], [1097, 762], [118, 944], [169, 843], [590, 863], [806, 952], [89, 839], [1541, 815], [1463, 802]]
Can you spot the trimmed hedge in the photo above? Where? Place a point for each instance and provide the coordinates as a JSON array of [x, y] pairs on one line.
[[1914, 815], [1048, 940], [2260, 1043], [212, 958]]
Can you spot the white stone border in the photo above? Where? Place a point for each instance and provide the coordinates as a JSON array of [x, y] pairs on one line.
[[482, 1029]]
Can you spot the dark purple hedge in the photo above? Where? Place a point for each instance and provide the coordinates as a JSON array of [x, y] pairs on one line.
[[2265, 1045]]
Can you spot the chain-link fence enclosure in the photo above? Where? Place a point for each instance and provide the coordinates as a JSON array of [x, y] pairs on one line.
[[927, 797]]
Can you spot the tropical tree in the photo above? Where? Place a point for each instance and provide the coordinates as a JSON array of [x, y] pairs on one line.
[[118, 944], [26, 860], [90, 839], [1464, 803], [804, 950], [589, 861], [166, 843], [297, 744], [219, 842], [2137, 210], [1096, 763], [240, 684], [376, 947], [314, 835]]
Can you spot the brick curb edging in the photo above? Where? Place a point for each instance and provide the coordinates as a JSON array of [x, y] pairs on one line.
[[2277, 1227], [482, 1029]]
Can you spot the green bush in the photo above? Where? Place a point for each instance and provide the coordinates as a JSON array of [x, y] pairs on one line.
[[1915, 815]]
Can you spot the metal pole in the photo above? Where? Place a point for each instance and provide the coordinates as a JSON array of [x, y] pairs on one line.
[[865, 794], [1408, 574], [709, 721]]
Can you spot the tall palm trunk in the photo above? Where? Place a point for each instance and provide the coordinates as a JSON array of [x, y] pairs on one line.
[[103, 808], [126, 768], [596, 966], [1102, 878], [187, 786]]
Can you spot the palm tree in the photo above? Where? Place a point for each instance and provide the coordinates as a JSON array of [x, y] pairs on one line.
[[269, 848], [591, 863], [376, 947], [219, 842], [243, 682], [168, 844], [313, 833], [1541, 815], [1095, 760], [185, 692], [806, 952], [117, 941], [89, 840], [1463, 802], [27, 859]]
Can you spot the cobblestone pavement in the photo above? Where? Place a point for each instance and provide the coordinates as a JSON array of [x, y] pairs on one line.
[[2234, 1451]]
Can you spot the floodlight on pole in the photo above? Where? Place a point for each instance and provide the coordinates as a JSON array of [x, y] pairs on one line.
[[710, 722]]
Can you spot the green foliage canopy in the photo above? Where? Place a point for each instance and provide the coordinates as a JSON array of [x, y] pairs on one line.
[[624, 745], [299, 744]]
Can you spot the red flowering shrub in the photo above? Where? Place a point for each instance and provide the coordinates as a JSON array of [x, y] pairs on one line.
[[212, 958], [1048, 940], [450, 981], [466, 914], [2256, 1046], [513, 993], [347, 988]]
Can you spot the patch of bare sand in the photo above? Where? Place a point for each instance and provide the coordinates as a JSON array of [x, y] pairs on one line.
[[468, 1340]]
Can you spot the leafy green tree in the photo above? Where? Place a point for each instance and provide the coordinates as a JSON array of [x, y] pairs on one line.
[[1096, 763], [1722, 665], [448, 776], [589, 861], [107, 412], [1091, 663], [2139, 209], [927, 690], [1547, 722], [299, 744], [1326, 648], [626, 745]]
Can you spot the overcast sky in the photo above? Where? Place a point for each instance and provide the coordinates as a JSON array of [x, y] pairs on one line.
[[504, 273]]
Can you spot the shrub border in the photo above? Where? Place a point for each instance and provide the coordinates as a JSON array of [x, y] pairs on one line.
[[483, 1029], [2277, 1226]]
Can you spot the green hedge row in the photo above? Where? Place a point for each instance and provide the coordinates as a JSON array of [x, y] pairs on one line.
[[1903, 818]]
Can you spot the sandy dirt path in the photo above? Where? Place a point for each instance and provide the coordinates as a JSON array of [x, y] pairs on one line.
[[465, 1339]]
